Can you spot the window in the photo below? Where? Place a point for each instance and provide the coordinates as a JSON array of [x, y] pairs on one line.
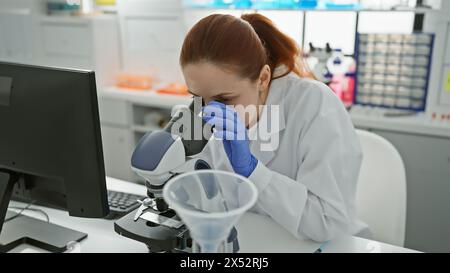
[[335, 27], [288, 21], [382, 22]]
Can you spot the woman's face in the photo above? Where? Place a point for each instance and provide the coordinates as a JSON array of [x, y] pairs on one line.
[[210, 82]]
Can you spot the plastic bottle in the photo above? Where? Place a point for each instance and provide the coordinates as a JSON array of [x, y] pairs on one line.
[[342, 82]]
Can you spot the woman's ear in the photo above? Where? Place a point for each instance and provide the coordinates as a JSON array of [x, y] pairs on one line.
[[264, 78]]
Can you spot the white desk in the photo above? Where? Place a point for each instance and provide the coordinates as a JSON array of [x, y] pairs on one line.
[[255, 233]]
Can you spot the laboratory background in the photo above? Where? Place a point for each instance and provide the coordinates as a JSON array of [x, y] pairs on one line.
[[387, 61]]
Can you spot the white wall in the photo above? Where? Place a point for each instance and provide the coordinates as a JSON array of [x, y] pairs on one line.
[[33, 6]]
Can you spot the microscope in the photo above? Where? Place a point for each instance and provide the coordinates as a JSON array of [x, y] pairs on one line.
[[158, 157]]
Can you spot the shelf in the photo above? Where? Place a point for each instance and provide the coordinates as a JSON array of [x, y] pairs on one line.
[[419, 123], [144, 128], [146, 98], [415, 10], [80, 19]]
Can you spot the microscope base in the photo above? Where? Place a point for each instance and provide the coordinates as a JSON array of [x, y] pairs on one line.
[[158, 238]]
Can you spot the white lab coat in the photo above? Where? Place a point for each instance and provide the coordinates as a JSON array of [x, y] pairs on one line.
[[308, 183]]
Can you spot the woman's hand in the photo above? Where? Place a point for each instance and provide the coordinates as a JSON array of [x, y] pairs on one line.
[[229, 127]]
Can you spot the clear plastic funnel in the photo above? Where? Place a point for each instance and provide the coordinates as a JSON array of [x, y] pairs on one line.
[[210, 203]]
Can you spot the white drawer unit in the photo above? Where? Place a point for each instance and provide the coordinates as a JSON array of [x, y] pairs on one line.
[[15, 36], [152, 33], [114, 112], [30, 6], [66, 39], [79, 42], [117, 152], [153, 44]]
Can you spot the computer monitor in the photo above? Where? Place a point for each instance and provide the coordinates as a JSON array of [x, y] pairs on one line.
[[50, 143]]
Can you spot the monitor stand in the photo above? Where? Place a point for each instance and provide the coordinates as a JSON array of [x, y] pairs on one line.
[[28, 230]]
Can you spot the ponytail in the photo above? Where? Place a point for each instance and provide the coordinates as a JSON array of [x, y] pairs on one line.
[[280, 48]]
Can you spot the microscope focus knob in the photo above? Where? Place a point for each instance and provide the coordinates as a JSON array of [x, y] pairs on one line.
[[161, 205]]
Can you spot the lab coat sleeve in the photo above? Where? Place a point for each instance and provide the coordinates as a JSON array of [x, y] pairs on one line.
[[313, 205]]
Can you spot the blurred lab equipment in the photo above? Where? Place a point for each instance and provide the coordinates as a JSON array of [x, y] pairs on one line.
[[134, 81], [386, 4], [174, 89], [105, 2], [210, 203], [317, 59], [59, 7], [243, 4], [254, 4], [79, 7], [219, 4], [342, 69], [333, 68], [341, 4], [231, 3], [87, 6], [309, 4], [155, 119], [222, 3], [197, 3], [406, 4], [284, 4], [106, 6], [393, 70], [265, 4]]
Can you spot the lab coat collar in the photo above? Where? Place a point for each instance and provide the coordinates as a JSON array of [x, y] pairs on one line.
[[274, 101], [266, 134]]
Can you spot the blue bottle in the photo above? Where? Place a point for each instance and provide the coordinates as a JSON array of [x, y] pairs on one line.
[[243, 4], [307, 4]]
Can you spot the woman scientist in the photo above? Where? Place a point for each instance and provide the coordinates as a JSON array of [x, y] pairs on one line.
[[306, 161]]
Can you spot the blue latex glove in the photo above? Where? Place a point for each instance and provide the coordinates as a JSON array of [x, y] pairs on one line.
[[233, 133]]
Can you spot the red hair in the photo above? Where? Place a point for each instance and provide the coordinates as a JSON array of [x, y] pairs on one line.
[[243, 45]]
